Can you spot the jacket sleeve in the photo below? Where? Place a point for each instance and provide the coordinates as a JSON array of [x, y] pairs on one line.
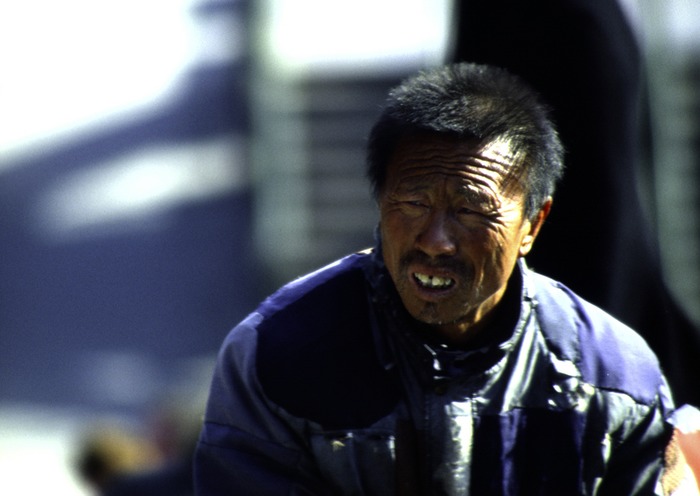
[[247, 445], [637, 463]]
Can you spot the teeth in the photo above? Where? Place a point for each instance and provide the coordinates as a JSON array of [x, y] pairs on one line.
[[433, 282]]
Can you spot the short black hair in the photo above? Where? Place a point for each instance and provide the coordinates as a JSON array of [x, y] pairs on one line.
[[472, 101]]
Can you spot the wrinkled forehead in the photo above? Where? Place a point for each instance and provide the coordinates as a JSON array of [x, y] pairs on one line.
[[429, 155]]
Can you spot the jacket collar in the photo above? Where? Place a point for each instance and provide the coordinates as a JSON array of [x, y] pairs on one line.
[[393, 326]]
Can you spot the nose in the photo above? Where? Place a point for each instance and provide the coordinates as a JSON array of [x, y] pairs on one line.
[[436, 237]]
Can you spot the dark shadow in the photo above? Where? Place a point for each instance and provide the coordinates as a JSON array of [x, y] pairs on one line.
[[583, 58]]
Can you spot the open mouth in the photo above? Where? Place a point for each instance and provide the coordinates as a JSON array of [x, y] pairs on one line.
[[433, 282]]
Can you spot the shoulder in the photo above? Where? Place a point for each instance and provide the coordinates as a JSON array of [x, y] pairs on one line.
[[609, 354], [315, 353], [307, 325], [288, 318], [329, 288]]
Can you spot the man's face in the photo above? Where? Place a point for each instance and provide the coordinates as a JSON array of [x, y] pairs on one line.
[[452, 228]]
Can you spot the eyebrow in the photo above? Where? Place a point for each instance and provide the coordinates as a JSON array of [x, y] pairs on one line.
[[474, 194], [412, 185], [479, 196]]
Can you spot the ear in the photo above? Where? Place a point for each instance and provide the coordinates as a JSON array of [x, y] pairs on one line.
[[532, 227]]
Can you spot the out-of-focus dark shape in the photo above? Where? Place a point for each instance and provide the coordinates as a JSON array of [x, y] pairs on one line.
[[583, 58]]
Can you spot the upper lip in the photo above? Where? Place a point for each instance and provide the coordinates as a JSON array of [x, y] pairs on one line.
[[432, 271]]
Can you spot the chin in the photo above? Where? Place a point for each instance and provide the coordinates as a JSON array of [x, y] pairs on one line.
[[431, 315]]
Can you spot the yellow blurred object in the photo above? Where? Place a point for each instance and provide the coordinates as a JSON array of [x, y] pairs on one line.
[[110, 452]]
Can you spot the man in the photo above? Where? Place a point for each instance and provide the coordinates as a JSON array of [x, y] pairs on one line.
[[439, 363]]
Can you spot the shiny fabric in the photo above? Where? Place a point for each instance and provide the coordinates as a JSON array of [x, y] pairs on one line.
[[328, 389]]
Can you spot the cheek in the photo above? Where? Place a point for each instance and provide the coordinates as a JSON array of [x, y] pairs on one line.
[[506, 248], [489, 248], [483, 240], [395, 228], [389, 237]]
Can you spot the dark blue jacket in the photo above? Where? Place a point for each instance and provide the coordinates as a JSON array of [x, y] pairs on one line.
[[326, 389]]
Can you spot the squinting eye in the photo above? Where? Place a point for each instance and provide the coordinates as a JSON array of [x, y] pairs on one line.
[[414, 207], [414, 203]]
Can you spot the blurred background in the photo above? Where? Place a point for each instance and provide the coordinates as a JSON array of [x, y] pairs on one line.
[[165, 164]]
